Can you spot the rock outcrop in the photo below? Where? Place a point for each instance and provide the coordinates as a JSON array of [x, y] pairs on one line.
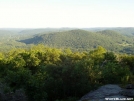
[[128, 91], [130, 86], [108, 91]]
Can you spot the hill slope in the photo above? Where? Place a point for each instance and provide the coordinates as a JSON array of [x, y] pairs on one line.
[[81, 39], [128, 31]]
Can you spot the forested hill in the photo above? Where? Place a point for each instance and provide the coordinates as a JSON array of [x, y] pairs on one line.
[[113, 39], [128, 31], [110, 33], [125, 31], [81, 39]]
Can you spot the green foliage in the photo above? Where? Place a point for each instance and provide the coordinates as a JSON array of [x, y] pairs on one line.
[[82, 40], [18, 78], [114, 73], [98, 54], [50, 74], [110, 56], [35, 87], [1, 56], [128, 60], [66, 81]]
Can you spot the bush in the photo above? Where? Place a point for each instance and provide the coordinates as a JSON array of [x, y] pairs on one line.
[[115, 74]]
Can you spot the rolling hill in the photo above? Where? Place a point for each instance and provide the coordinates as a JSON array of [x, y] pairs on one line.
[[113, 39], [81, 39], [128, 31]]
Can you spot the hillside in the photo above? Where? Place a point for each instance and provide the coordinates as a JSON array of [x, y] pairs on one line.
[[113, 39], [9, 36], [81, 39], [128, 31], [116, 36]]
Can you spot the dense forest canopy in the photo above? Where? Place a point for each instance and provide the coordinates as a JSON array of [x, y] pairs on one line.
[[51, 74]]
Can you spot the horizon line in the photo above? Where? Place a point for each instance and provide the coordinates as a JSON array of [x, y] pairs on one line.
[[56, 27]]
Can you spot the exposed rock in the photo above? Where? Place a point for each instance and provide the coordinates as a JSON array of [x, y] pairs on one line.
[[130, 86], [106, 91], [128, 92]]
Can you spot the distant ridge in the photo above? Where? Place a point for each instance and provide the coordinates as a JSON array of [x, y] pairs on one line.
[[82, 39]]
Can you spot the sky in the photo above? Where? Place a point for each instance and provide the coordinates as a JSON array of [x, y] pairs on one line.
[[66, 13]]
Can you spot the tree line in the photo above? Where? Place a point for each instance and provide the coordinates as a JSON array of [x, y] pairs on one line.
[[51, 74]]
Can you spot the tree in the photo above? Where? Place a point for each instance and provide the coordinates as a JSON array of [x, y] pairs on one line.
[[97, 55]]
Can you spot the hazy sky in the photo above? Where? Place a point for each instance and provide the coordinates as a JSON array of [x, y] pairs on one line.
[[66, 13]]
